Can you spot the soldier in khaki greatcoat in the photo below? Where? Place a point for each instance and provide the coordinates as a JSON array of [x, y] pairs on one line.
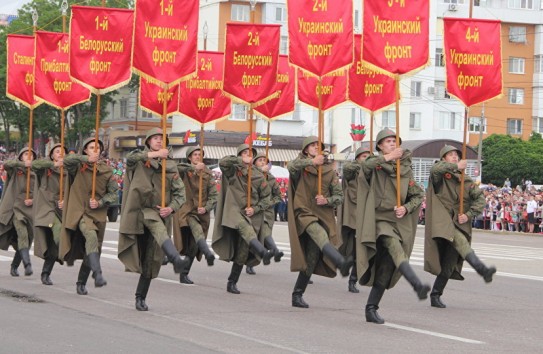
[[144, 233], [448, 233], [237, 225], [84, 218], [385, 232], [47, 210], [16, 215], [191, 222], [346, 215], [312, 226]]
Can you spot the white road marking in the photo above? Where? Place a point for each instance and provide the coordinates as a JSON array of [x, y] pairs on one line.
[[435, 334]]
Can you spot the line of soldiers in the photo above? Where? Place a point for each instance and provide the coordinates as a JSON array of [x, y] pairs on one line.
[[371, 239]]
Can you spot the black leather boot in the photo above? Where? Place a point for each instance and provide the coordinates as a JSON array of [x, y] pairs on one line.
[[173, 256], [208, 254], [14, 269], [184, 276], [269, 242], [352, 281], [25, 256], [94, 263], [250, 270], [409, 274], [141, 293], [299, 290], [437, 291], [343, 264], [480, 267], [48, 265], [376, 293], [231, 286], [260, 250], [84, 272]]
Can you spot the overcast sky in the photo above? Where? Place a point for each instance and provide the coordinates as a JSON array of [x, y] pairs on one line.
[[10, 7]]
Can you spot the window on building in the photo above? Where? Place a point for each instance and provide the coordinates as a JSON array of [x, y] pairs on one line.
[[475, 124], [453, 1], [517, 34], [281, 14], [520, 4], [440, 91], [357, 116], [414, 120], [297, 115], [450, 120], [516, 96], [283, 45], [124, 108], [516, 65], [439, 58], [240, 13], [388, 119], [538, 62], [356, 20], [537, 125], [145, 114], [239, 112], [514, 126], [416, 88]]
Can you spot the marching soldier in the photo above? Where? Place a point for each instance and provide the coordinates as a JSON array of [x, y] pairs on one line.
[[237, 226], [385, 232], [144, 233], [312, 226], [84, 218], [347, 211], [16, 216], [48, 212], [448, 233], [191, 223]]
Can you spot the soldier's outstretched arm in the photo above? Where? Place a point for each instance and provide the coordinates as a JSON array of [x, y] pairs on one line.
[[351, 170], [134, 157], [296, 166], [229, 165], [42, 164], [72, 162]]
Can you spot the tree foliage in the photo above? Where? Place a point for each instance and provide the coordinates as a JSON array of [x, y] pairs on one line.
[[507, 157], [80, 119]]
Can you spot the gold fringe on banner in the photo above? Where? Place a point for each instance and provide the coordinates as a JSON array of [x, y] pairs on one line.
[[253, 104]]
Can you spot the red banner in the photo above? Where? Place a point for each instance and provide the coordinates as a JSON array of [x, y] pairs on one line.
[[250, 62], [167, 33], [320, 35], [367, 88], [396, 35], [152, 97], [333, 89], [52, 72], [285, 84], [474, 63], [202, 98], [20, 70], [101, 47]]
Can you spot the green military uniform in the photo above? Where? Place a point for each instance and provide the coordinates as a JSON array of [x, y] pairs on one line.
[[83, 228], [144, 236], [312, 235], [384, 241], [447, 242], [190, 228], [47, 216], [346, 214], [235, 235], [17, 219]]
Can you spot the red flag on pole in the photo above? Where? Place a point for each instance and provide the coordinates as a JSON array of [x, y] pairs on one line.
[[320, 35], [101, 47], [201, 97], [286, 83], [250, 62], [367, 88], [20, 70], [167, 33], [52, 72], [152, 97], [474, 63], [333, 89], [396, 35]]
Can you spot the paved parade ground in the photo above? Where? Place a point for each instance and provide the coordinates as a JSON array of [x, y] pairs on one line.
[[504, 316]]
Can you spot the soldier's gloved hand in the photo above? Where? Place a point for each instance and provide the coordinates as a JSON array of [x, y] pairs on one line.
[[93, 203], [400, 212], [318, 160], [28, 202], [162, 153], [93, 156], [321, 200], [164, 212], [249, 211], [59, 163], [199, 166], [463, 218], [394, 155], [28, 163], [246, 159], [202, 211], [60, 204], [462, 164]]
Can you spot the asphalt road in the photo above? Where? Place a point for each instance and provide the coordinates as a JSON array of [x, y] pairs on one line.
[[505, 316]]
